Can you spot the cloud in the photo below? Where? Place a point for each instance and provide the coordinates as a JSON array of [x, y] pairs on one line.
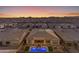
[[77, 13], [1, 15], [65, 14]]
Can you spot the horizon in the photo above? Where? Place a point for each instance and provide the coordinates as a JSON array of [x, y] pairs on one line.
[[40, 17], [38, 11]]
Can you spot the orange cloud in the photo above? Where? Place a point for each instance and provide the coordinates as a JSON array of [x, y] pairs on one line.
[[74, 14], [1, 15], [64, 14]]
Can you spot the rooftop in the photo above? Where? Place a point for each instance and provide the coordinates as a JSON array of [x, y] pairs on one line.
[[68, 34]]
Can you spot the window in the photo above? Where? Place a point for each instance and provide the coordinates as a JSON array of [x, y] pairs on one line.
[[53, 26], [0, 43], [39, 41], [75, 44], [54, 42], [55, 47], [61, 26], [47, 41], [69, 44], [28, 26], [7, 42], [69, 26]]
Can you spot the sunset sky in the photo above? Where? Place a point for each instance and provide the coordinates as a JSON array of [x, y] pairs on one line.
[[38, 11]]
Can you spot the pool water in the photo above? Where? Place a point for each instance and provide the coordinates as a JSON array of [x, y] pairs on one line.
[[35, 49]]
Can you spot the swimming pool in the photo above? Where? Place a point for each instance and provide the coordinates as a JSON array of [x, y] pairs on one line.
[[41, 49]]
